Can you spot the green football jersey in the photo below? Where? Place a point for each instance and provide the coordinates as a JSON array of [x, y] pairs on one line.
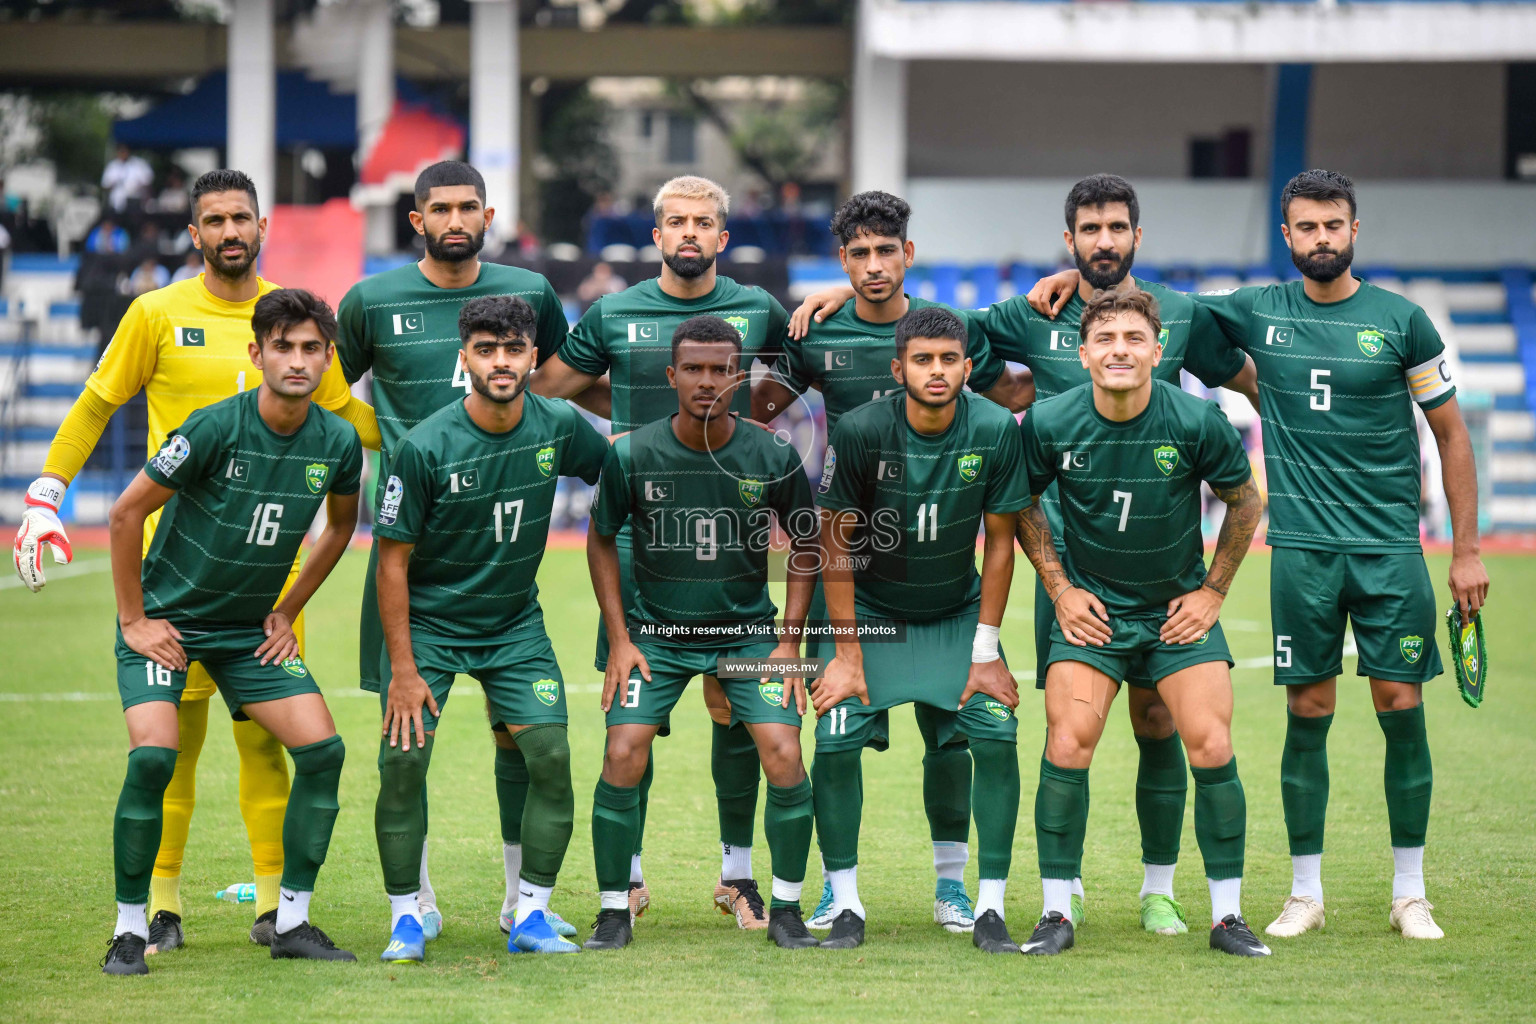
[[406, 330], [1191, 339], [921, 500], [476, 505], [628, 335], [1130, 492], [850, 359], [1337, 383], [701, 524], [245, 497]]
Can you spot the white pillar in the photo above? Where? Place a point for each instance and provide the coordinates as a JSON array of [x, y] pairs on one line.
[[252, 105], [879, 115], [375, 103], [494, 107]]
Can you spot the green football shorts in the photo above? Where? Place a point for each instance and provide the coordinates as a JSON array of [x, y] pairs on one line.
[[228, 656], [672, 668], [521, 678], [1136, 655], [930, 667], [1387, 598]]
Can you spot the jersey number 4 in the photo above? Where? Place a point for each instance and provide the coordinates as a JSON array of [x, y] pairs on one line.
[[461, 378]]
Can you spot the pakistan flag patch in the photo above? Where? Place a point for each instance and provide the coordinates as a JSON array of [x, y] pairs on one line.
[[314, 476], [548, 691], [999, 711], [1412, 648], [545, 459], [772, 693], [1167, 458], [751, 492], [295, 667], [970, 465], [740, 323], [1370, 342]]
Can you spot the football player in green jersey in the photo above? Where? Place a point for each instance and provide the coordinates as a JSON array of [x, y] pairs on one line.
[[240, 483], [702, 490], [1133, 599], [909, 479], [626, 335], [847, 355], [462, 529], [403, 325], [1341, 364]]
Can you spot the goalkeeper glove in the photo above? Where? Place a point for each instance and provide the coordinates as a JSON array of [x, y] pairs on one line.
[[40, 527]]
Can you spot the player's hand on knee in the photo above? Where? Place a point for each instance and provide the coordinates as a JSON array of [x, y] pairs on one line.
[[1051, 293], [624, 662], [156, 639], [1469, 583], [408, 692], [40, 529], [817, 306], [1083, 618], [844, 679], [993, 679], [1191, 616], [281, 643]]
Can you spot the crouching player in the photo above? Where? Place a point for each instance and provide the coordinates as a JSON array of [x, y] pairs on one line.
[[240, 482], [702, 490], [1133, 599], [462, 528]]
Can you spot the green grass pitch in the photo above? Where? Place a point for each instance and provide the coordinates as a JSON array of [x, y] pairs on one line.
[[63, 767]]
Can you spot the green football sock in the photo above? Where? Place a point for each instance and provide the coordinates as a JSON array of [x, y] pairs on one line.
[[615, 820], [837, 792], [136, 823], [511, 792], [995, 805], [1221, 820], [1061, 820], [643, 794], [550, 810], [1304, 781], [1162, 785], [1409, 775], [734, 763], [399, 816], [946, 780], [787, 824], [312, 809]]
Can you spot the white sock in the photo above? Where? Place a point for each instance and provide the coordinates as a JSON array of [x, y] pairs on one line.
[[989, 896], [845, 891], [531, 897], [1307, 876], [826, 876], [1226, 897], [787, 891], [1407, 872], [1058, 896], [427, 897], [131, 918], [636, 876], [614, 900], [403, 906], [949, 860], [735, 862], [1157, 878], [512, 860], [1077, 888], [292, 909]]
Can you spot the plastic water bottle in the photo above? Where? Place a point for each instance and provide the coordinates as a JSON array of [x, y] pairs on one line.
[[239, 893]]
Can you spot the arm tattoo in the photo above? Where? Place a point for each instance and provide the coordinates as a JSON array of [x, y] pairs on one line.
[[1034, 534], [1244, 508]]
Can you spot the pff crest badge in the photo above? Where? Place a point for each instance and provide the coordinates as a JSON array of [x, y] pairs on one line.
[[548, 691], [295, 667], [970, 466], [1469, 654], [545, 460], [1167, 458], [751, 492], [314, 476], [772, 693], [1370, 342], [1412, 648], [998, 711], [740, 323]]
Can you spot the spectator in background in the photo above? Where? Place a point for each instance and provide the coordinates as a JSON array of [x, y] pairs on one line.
[[127, 179], [602, 281], [147, 276], [191, 268], [173, 196], [527, 242], [107, 237]]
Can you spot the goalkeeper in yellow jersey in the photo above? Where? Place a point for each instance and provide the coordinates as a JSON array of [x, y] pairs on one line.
[[185, 346]]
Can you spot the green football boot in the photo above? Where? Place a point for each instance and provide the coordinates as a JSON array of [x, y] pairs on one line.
[[1162, 915]]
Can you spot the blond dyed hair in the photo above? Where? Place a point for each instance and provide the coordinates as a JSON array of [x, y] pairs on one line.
[[691, 186]]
